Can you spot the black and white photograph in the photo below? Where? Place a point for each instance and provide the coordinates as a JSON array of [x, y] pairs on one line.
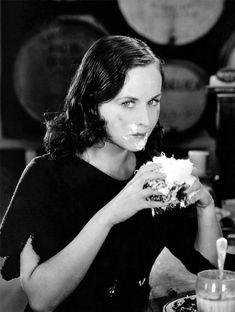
[[117, 156]]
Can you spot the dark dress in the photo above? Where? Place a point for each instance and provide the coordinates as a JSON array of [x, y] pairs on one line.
[[229, 262], [53, 201]]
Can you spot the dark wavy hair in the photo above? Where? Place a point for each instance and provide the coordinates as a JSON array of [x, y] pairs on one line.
[[98, 79]]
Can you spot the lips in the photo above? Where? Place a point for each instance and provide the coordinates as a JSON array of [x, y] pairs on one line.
[[139, 139], [140, 135]]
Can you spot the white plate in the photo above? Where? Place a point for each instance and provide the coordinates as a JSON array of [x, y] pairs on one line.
[[169, 306]]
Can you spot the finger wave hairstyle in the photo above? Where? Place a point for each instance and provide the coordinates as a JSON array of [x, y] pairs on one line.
[[98, 79]]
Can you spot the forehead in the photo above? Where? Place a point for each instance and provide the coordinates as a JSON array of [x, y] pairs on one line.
[[142, 79]]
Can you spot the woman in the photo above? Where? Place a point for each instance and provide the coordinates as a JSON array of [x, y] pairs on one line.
[[91, 238]]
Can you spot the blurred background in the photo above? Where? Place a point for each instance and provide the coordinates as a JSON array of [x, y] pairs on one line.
[[43, 42]]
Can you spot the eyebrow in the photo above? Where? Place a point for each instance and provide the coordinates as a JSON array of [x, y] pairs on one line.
[[135, 99]]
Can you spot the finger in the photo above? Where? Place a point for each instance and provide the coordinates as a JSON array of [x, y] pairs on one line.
[[202, 198], [147, 192], [149, 167], [193, 197], [154, 204], [194, 187], [154, 175], [139, 182], [196, 196], [195, 172]]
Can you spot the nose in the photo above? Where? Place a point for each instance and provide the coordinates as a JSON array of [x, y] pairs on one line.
[[144, 116]]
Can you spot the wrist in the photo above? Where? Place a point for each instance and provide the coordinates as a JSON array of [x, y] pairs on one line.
[[104, 216], [209, 209]]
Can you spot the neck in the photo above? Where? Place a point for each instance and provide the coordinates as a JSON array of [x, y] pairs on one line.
[[114, 161]]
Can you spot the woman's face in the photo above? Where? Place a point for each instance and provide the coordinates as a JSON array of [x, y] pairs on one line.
[[134, 112]]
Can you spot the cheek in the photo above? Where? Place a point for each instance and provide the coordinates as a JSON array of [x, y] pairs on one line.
[[158, 113], [116, 124], [155, 117], [120, 121]]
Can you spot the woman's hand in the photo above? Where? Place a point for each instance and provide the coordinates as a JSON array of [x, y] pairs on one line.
[[133, 197], [198, 194]]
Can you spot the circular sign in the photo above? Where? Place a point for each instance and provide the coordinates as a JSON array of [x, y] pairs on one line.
[[184, 96], [47, 61], [171, 21]]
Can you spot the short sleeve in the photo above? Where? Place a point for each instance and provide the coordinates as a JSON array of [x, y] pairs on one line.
[[23, 216]]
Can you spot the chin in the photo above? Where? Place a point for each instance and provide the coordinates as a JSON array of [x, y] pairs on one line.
[[132, 147], [135, 149], [138, 146]]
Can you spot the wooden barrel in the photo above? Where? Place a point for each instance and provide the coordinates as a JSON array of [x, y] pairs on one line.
[[48, 59], [171, 22], [184, 96]]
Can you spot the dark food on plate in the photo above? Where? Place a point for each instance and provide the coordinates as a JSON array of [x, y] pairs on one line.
[[187, 305]]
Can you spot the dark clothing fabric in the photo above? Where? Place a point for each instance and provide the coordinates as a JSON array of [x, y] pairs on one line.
[[53, 201], [229, 262]]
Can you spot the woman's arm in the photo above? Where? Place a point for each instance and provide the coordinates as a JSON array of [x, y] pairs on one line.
[[49, 283], [208, 232], [209, 229]]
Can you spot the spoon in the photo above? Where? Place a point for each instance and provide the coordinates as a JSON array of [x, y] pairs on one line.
[[221, 246]]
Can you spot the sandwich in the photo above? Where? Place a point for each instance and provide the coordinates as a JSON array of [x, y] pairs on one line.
[[172, 188]]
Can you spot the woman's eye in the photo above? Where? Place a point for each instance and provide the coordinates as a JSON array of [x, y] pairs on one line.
[[154, 102], [128, 104]]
